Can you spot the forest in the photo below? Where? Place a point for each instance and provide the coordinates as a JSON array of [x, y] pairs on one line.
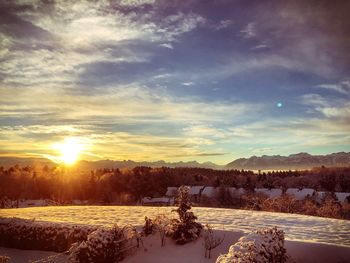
[[63, 184]]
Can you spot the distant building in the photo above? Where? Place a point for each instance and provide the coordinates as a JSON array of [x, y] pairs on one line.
[[236, 192], [301, 194], [270, 193], [195, 193], [171, 191], [209, 191], [343, 197]]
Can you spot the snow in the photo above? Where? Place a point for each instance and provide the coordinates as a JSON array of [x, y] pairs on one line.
[[193, 252], [300, 194], [23, 256], [152, 252], [271, 193], [296, 227]]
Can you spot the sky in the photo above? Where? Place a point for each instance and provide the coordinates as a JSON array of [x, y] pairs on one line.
[[174, 80]]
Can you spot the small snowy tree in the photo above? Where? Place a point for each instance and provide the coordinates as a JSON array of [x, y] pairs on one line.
[[210, 240], [185, 229]]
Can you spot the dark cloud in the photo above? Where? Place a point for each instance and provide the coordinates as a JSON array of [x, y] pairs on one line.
[[13, 25]]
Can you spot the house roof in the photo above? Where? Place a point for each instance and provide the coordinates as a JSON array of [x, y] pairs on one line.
[[300, 194], [342, 197], [271, 193], [195, 190], [236, 191], [171, 191], [209, 191]]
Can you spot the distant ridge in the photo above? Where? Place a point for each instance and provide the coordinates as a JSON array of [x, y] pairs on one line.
[[294, 161], [131, 164], [92, 165], [275, 162]]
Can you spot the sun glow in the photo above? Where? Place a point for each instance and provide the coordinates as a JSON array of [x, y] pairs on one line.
[[70, 150]]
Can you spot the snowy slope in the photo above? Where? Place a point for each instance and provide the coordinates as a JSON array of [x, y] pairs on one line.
[[297, 227]]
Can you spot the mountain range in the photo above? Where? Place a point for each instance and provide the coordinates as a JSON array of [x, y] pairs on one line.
[[265, 162], [91, 165], [293, 161]]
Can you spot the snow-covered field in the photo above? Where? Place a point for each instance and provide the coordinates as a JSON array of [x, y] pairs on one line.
[[297, 227]]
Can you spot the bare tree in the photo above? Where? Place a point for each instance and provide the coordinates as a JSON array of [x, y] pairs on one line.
[[210, 240], [162, 224]]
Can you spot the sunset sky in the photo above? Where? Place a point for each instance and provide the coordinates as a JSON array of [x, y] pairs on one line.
[[174, 80]]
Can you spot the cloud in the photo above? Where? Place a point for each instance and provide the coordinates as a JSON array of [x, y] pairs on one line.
[[206, 131], [190, 83], [342, 87], [118, 73], [335, 108], [82, 34], [125, 119], [222, 24], [136, 2], [167, 45], [249, 31]]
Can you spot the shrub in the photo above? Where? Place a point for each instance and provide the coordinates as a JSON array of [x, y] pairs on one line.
[[262, 246], [330, 208], [309, 207], [105, 245], [29, 234], [186, 229]]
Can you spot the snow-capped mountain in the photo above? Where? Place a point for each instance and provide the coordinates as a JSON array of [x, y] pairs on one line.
[[293, 161]]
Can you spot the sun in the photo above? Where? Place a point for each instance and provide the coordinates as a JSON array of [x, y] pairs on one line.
[[69, 150]]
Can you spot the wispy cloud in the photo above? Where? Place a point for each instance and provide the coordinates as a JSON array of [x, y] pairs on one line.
[[335, 108], [249, 31], [341, 87]]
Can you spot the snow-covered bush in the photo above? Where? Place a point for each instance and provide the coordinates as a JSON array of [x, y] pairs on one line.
[[105, 245], [262, 246], [186, 229], [29, 234]]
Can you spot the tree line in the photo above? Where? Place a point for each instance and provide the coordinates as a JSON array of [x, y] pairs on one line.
[[127, 186]]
